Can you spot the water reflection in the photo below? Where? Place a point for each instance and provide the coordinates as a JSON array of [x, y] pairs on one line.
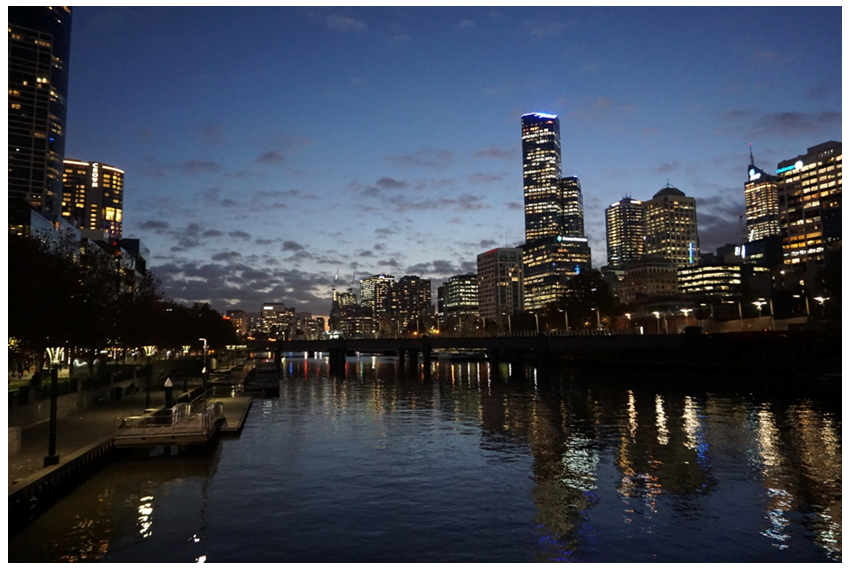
[[479, 462]]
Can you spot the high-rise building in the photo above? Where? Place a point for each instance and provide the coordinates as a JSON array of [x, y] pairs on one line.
[[376, 295], [411, 301], [555, 246], [809, 191], [671, 230], [92, 196], [277, 320], [240, 321], [542, 171], [461, 295], [762, 204], [626, 231], [39, 49], [500, 280]]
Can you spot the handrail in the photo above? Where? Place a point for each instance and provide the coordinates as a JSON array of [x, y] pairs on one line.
[[183, 418]]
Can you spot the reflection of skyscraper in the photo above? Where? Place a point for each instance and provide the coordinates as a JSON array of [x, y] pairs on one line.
[[762, 204], [39, 48], [671, 231], [626, 231], [555, 247], [92, 196]]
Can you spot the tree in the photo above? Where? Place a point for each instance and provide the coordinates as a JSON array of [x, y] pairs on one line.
[[586, 293]]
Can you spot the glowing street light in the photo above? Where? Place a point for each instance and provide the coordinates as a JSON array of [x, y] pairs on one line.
[[657, 316], [150, 350], [54, 354], [759, 304]]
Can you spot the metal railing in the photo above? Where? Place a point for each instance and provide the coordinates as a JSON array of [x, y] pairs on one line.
[[196, 417]]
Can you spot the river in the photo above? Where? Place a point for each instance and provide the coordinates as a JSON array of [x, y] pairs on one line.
[[477, 463]]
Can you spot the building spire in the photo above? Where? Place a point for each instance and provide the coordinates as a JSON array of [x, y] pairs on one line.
[[751, 160]]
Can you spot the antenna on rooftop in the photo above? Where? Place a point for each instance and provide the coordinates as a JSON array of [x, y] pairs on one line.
[[751, 160]]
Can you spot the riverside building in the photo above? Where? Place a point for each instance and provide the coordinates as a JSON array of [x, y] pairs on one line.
[[39, 49], [626, 231], [555, 246], [92, 196], [809, 192], [500, 283], [671, 230]]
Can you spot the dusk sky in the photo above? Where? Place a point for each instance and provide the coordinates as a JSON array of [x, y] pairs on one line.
[[264, 147]]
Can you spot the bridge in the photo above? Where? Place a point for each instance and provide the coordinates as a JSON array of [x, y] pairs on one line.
[[788, 352]]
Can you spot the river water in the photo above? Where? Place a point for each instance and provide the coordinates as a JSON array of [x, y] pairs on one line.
[[477, 463]]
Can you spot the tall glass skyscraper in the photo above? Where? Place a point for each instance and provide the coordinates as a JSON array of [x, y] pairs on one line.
[[555, 245], [39, 49], [671, 230]]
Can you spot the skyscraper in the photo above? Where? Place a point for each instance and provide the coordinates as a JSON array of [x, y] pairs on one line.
[[762, 204], [92, 196], [671, 230], [555, 247], [39, 49], [626, 231], [809, 191]]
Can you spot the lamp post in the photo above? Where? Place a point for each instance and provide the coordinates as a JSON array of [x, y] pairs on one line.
[[657, 317], [149, 352], [55, 356], [685, 313], [759, 304], [204, 365], [628, 316]]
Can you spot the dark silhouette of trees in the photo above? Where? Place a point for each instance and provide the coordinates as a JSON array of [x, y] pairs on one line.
[[586, 293], [60, 295]]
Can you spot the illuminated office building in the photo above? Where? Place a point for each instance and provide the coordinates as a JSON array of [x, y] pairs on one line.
[[39, 48], [500, 283], [555, 246], [376, 294], [92, 196], [277, 320], [461, 296], [542, 171], [809, 192], [411, 301], [762, 204], [671, 230], [626, 231]]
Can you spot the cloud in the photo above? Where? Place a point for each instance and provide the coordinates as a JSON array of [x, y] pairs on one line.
[[271, 157], [365, 253], [345, 24], [399, 39], [196, 166], [667, 167], [241, 235], [392, 263], [228, 203], [291, 246], [546, 29], [484, 178], [260, 241], [785, 124], [154, 225], [390, 183], [212, 133], [496, 153], [487, 243], [514, 205], [384, 232], [430, 158], [465, 24], [212, 233], [226, 256]]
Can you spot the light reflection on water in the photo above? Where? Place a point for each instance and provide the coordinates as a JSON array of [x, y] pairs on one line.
[[476, 462]]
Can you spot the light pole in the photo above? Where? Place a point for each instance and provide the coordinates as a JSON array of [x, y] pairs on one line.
[[759, 304], [657, 317], [820, 300], [628, 316], [55, 356], [685, 313], [149, 352], [204, 365]]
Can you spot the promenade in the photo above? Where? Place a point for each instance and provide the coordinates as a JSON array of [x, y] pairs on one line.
[[82, 428]]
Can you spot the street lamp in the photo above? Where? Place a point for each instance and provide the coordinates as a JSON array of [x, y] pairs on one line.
[[204, 365], [149, 352], [760, 303], [54, 354], [657, 316], [820, 300], [628, 316]]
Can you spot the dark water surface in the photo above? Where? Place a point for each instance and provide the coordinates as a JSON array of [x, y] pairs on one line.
[[479, 463]]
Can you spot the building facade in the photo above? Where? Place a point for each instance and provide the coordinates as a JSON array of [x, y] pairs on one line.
[[39, 50], [555, 247], [762, 204], [809, 193], [93, 196], [650, 279], [626, 231], [500, 283], [461, 296], [671, 230], [411, 302]]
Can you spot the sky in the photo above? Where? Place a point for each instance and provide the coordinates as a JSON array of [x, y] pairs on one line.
[[267, 150]]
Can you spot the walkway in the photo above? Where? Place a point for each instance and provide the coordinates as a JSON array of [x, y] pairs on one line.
[[83, 428]]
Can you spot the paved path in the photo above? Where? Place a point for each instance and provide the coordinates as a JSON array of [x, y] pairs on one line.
[[82, 428]]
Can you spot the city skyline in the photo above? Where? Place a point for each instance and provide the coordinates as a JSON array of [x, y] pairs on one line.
[[275, 145]]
